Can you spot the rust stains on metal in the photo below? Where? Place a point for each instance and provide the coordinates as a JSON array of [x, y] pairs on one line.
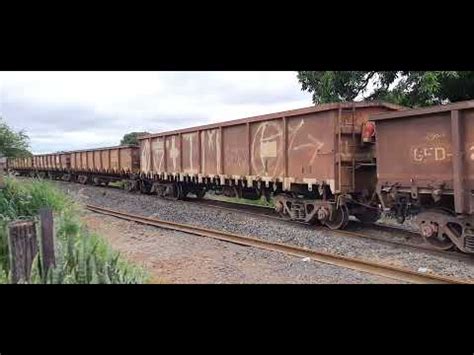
[[297, 147]]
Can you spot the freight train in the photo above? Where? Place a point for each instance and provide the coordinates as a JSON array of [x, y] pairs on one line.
[[319, 164]]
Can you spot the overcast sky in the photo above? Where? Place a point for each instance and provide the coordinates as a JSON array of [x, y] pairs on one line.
[[75, 110]]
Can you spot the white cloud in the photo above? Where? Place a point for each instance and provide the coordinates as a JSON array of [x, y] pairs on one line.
[[70, 110]]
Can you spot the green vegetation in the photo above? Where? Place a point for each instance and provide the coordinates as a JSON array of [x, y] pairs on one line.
[[131, 138], [13, 144], [81, 257], [120, 184], [261, 202], [407, 88]]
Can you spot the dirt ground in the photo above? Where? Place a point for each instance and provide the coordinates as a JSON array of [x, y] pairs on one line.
[[174, 257]]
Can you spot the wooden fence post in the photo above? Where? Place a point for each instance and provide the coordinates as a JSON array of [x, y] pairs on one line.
[[47, 239], [23, 249]]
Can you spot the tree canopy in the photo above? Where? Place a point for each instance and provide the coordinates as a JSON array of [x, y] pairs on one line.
[[13, 144], [407, 88], [131, 138]]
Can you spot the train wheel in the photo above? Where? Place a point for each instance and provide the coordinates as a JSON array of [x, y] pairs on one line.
[[339, 219], [200, 193], [144, 187], [431, 230], [279, 202], [174, 193], [131, 185]]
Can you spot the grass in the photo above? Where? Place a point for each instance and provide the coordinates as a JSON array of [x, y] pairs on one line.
[[261, 202], [81, 257], [120, 184]]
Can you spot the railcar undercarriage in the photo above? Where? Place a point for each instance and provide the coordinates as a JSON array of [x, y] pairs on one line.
[[438, 223], [435, 216]]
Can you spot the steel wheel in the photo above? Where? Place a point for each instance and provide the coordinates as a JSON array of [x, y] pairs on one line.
[[200, 193], [438, 240], [279, 202], [340, 218], [175, 193], [130, 186]]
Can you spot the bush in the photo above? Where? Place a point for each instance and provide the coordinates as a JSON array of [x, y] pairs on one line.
[[81, 256]]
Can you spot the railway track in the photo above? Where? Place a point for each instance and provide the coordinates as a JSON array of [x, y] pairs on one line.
[[267, 212], [388, 271]]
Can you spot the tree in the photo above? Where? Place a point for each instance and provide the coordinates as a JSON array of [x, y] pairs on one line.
[[407, 88], [13, 144], [131, 138]]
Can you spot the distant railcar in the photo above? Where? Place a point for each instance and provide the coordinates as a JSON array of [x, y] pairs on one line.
[[97, 166], [104, 165]]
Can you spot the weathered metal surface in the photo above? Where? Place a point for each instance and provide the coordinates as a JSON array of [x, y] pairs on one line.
[[429, 149], [90, 160], [266, 149], [173, 153], [305, 146], [298, 112], [83, 156], [311, 146], [158, 154], [211, 152], [66, 160], [236, 150], [190, 153], [97, 160], [108, 159]]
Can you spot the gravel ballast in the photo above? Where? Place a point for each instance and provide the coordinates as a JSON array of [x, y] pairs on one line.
[[174, 257], [272, 230]]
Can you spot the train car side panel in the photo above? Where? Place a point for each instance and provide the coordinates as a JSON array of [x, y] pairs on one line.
[[158, 154], [190, 153], [266, 147], [105, 156], [145, 155], [90, 160], [97, 160], [211, 152], [236, 150], [125, 159], [114, 159], [66, 161], [173, 153], [311, 147]]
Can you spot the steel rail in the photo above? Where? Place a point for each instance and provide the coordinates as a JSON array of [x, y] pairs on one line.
[[388, 271], [264, 212]]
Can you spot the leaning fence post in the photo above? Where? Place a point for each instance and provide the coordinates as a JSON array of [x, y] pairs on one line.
[[47, 239], [23, 249]]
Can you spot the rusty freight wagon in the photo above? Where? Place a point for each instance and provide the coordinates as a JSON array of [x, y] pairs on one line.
[[425, 166], [52, 165], [22, 165], [317, 162], [104, 165]]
